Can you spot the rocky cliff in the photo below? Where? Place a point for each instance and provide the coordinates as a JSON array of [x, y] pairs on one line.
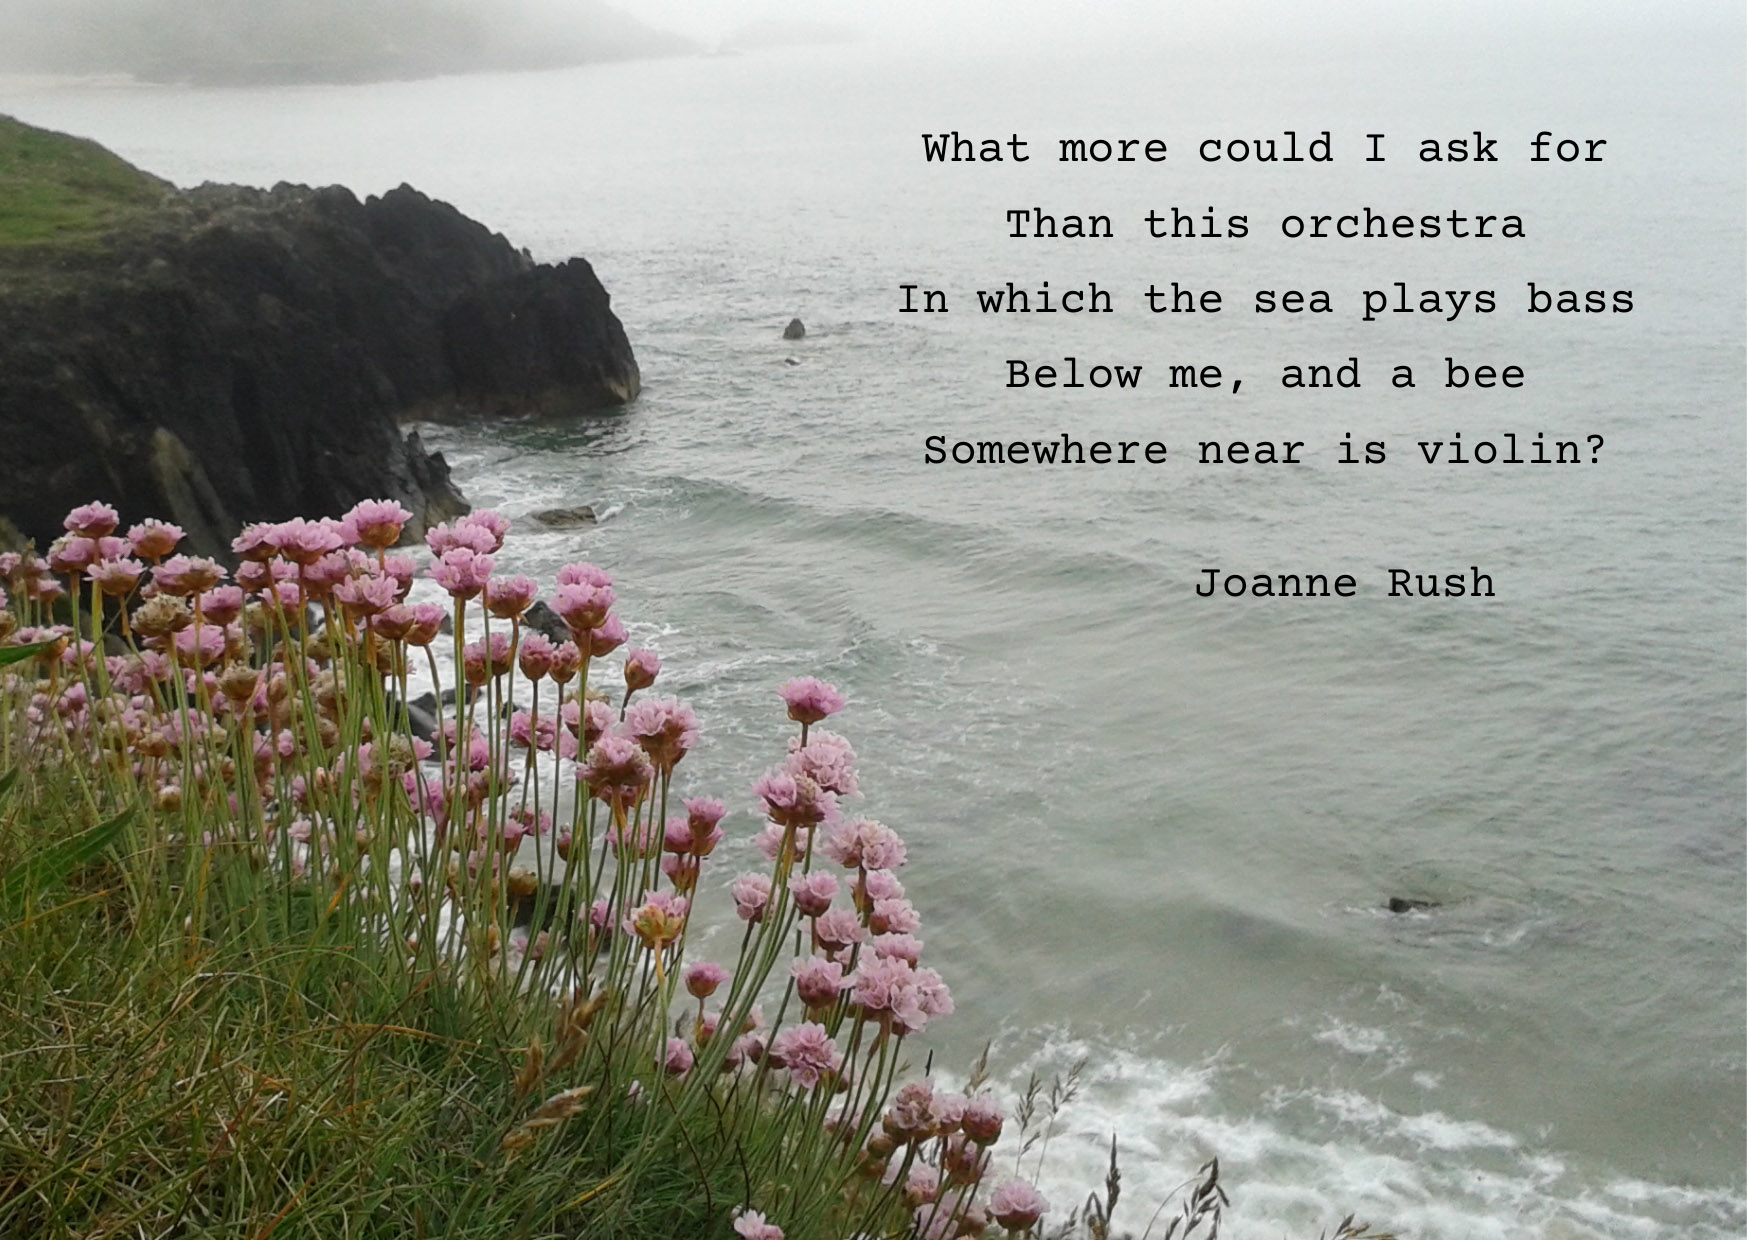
[[235, 354]]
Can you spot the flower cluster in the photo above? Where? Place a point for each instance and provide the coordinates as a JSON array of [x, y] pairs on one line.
[[264, 719]]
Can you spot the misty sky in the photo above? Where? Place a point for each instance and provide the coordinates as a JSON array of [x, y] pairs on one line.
[[114, 35]]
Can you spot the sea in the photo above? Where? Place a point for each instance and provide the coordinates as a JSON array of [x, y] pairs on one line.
[[1154, 835]]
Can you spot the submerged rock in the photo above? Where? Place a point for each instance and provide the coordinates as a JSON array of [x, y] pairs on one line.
[[795, 331], [566, 518], [238, 354], [1406, 904]]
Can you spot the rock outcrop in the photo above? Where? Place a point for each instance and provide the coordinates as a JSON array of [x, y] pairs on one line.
[[242, 354]]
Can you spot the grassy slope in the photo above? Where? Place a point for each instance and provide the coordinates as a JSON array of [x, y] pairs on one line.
[[57, 190]]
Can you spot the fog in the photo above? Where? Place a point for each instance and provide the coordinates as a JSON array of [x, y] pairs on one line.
[[349, 40]]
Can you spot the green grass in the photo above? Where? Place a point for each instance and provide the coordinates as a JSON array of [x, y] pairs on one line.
[[59, 190]]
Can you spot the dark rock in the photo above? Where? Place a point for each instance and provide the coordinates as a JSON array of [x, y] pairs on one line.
[[566, 518], [1404, 904], [795, 331], [543, 619], [241, 354], [791, 361]]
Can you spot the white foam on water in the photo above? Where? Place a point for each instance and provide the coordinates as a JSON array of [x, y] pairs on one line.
[[1306, 1157]]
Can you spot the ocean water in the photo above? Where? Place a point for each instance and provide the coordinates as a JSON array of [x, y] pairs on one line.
[[1147, 829]]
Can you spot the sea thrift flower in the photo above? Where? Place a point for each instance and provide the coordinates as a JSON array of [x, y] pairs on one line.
[[751, 892], [865, 844], [810, 700], [152, 539], [679, 1059], [534, 655], [93, 520], [1016, 1205], [641, 667], [905, 947], [71, 554], [442, 539], [659, 920], [982, 1119], [703, 977], [894, 917], [813, 893], [221, 604], [427, 623], [751, 1225], [583, 607], [808, 1052], [495, 524], [185, 575], [922, 1185], [911, 1117], [462, 572], [608, 638], [508, 597], [827, 760], [402, 570], [298, 540], [116, 578], [590, 720], [794, 800], [583, 575], [616, 770], [362, 597], [818, 981], [567, 660], [837, 929], [375, 523], [666, 729]]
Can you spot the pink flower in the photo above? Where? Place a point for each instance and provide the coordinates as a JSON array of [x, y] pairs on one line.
[[495, 524], [608, 638], [865, 844], [808, 1052], [185, 575], [116, 578], [751, 1225], [659, 920], [886, 986], [254, 545], [367, 596], [813, 893], [566, 661], [683, 838], [827, 760], [641, 667], [211, 649], [810, 700], [591, 720], [894, 917], [679, 1058], [703, 977], [153, 539], [71, 554], [462, 572], [534, 655], [616, 770], [905, 947], [911, 1117], [375, 523], [1016, 1205], [794, 800], [583, 607], [982, 1119], [583, 575], [486, 658], [298, 540], [837, 929], [93, 520], [508, 597], [752, 893], [442, 539], [427, 623], [666, 729], [818, 981]]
